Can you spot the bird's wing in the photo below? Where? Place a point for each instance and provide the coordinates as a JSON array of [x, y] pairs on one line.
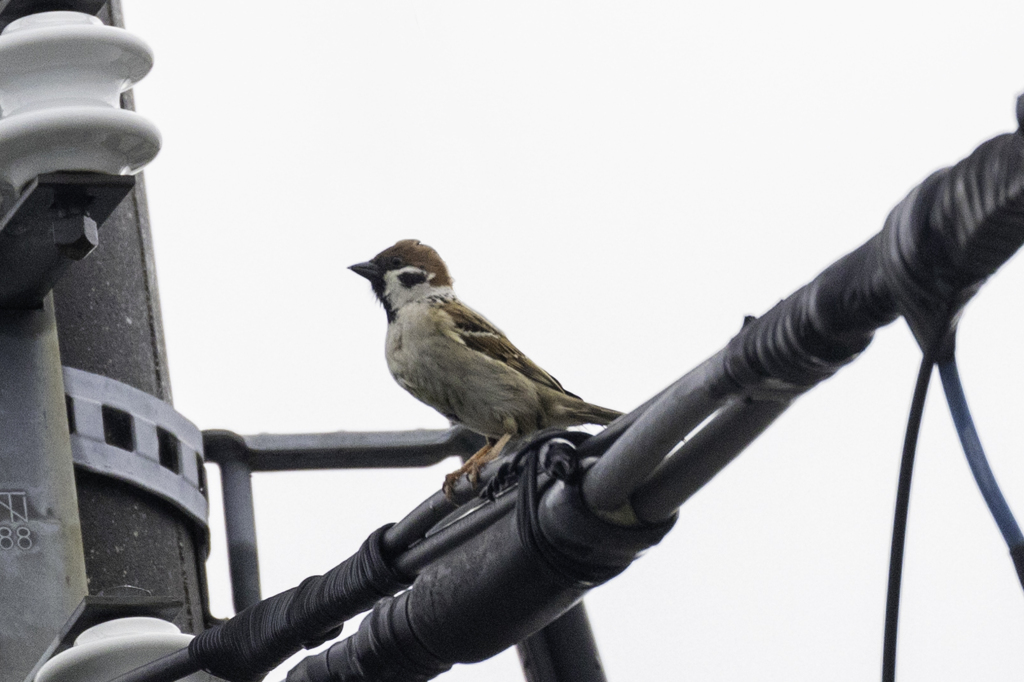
[[477, 333]]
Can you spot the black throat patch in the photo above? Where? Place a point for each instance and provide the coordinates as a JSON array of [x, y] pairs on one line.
[[378, 290]]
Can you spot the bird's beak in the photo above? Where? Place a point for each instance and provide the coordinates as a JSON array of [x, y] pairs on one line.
[[369, 270]]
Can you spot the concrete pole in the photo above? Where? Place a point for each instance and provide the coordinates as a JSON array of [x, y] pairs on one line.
[[108, 322]]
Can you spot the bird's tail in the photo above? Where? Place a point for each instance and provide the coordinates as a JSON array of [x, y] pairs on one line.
[[576, 411], [601, 415]]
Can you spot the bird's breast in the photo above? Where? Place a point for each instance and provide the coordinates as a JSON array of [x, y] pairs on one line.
[[426, 358], [414, 350]]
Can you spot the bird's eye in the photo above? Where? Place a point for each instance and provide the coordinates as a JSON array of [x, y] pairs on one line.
[[397, 262]]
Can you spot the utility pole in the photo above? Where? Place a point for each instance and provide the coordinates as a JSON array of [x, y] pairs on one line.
[[108, 323], [102, 487]]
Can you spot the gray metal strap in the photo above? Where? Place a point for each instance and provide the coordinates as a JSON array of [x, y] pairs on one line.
[[127, 434]]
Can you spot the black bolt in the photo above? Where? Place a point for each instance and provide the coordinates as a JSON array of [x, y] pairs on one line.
[[75, 236]]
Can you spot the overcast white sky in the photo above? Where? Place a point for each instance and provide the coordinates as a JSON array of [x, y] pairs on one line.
[[615, 184]]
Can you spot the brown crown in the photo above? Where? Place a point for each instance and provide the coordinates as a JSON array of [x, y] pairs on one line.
[[412, 252]]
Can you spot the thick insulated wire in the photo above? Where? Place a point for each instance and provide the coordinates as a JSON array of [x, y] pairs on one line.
[[247, 647]]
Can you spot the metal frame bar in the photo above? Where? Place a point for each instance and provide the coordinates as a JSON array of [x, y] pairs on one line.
[[239, 456], [565, 651]]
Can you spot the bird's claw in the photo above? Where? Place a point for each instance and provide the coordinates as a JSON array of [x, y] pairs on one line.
[[449, 485], [472, 466], [472, 471]]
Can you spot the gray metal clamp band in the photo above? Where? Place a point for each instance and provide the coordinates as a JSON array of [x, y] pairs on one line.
[[127, 434]]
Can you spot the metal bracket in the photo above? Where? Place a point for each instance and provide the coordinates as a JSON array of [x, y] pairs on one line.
[[127, 434], [238, 456], [95, 610], [54, 222], [16, 9]]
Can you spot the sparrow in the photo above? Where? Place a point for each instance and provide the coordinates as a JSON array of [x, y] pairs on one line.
[[455, 360]]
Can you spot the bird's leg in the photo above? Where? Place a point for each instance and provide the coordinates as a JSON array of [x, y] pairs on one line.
[[451, 479], [472, 467]]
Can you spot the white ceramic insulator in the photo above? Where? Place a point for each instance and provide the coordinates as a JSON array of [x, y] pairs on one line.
[[61, 78], [114, 647]]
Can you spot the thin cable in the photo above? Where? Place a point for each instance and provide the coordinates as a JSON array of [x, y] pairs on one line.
[[169, 668], [899, 523], [979, 464]]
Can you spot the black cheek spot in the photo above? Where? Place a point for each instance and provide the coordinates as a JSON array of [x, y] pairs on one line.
[[411, 279]]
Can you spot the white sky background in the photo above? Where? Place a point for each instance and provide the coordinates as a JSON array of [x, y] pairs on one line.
[[615, 185]]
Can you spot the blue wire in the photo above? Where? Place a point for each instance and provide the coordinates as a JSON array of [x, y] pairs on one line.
[[976, 455]]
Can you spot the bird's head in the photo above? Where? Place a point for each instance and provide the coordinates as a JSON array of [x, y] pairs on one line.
[[403, 273]]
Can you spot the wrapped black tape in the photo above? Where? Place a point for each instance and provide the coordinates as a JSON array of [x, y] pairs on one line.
[[937, 248], [262, 636]]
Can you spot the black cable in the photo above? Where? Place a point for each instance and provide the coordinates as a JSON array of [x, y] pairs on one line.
[[899, 523], [975, 454], [168, 668]]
